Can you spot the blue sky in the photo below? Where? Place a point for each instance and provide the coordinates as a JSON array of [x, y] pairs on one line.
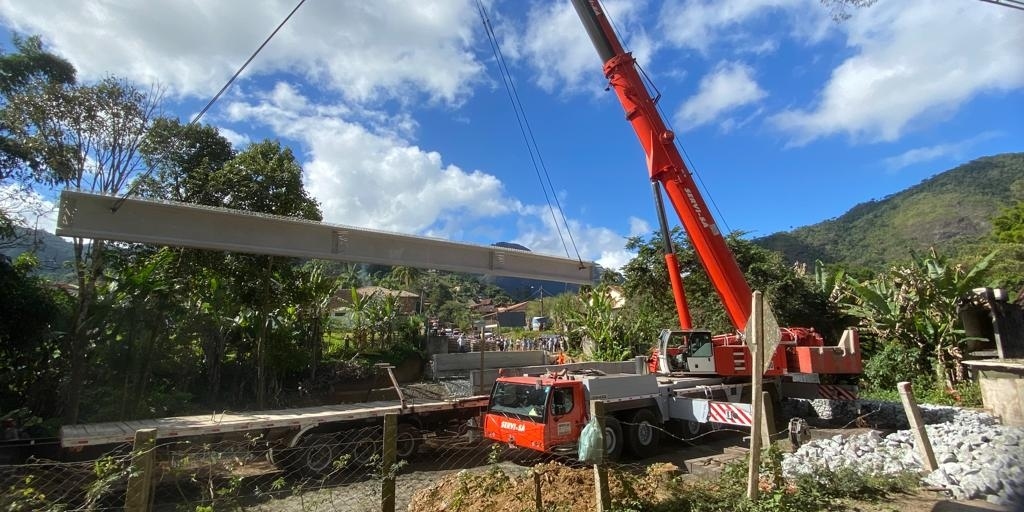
[[398, 114]]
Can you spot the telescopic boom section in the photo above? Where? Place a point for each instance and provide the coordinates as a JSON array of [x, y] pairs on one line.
[[665, 164]]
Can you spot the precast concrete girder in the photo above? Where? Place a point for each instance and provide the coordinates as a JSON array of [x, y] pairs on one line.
[[147, 221]]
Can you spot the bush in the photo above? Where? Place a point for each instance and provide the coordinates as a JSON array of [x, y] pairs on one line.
[[892, 364]]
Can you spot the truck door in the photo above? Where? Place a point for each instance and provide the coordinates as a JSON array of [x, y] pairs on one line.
[[567, 414]]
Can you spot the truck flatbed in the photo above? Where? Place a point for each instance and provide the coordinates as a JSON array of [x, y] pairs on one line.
[[218, 423]]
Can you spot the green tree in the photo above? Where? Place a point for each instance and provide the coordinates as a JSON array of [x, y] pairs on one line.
[[264, 178], [33, 323], [797, 301], [182, 159], [89, 137], [313, 300], [1008, 226], [30, 69], [915, 307]]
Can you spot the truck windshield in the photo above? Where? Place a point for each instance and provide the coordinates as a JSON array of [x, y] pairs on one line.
[[524, 401]]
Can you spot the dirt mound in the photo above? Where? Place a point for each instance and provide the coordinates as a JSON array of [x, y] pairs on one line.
[[561, 488]]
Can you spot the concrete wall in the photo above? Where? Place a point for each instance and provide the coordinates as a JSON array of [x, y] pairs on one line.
[[1003, 393], [450, 365], [606, 367]]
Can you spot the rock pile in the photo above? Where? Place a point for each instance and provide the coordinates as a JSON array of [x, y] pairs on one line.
[[978, 458]]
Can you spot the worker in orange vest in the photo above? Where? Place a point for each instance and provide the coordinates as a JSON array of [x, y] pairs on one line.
[[561, 358]]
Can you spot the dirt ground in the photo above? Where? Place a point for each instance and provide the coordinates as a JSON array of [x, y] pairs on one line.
[[562, 488]]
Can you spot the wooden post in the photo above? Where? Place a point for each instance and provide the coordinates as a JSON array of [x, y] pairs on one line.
[[387, 499], [601, 490], [756, 401], [917, 425], [768, 423], [140, 481], [483, 338], [537, 497]]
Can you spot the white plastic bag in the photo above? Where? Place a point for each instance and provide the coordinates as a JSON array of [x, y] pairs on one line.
[[591, 445]]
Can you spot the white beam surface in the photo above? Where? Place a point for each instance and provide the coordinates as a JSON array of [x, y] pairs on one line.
[[146, 221]]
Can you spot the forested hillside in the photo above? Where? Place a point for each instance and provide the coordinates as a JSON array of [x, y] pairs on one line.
[[948, 211]]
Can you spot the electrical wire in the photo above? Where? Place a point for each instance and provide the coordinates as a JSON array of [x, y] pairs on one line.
[[216, 97], [528, 137], [1013, 4]]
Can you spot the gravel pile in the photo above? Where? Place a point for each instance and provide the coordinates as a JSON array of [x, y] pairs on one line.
[[978, 458]]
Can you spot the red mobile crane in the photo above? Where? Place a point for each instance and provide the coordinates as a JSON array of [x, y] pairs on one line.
[[688, 377], [667, 170]]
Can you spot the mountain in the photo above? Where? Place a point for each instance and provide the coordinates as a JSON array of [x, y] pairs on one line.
[[948, 210], [54, 252]]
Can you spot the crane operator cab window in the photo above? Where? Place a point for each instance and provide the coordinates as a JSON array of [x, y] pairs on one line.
[[561, 401]]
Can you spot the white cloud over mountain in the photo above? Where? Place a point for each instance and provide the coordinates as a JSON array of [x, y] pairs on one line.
[[914, 63]]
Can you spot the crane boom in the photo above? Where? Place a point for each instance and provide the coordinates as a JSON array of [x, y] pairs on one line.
[[666, 166]]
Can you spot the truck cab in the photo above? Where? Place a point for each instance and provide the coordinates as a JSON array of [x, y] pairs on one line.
[[547, 413], [544, 414]]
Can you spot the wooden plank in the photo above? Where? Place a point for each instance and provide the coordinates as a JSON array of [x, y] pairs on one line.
[[184, 426]]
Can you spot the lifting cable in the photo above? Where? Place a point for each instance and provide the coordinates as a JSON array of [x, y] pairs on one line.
[[213, 100], [528, 137], [688, 161]]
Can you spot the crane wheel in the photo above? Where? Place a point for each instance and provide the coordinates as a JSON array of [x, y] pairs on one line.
[[407, 441], [644, 434], [693, 429], [612, 439]]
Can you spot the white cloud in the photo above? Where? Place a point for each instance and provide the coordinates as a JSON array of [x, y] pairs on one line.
[[915, 62], [372, 179], [602, 245], [954, 150], [237, 140], [701, 25], [28, 208], [638, 227], [726, 88], [386, 49], [561, 54]]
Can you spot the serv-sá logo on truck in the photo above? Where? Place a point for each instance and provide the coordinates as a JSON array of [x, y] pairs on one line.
[[513, 426]]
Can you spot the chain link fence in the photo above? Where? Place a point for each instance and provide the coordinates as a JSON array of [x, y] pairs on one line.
[[394, 466]]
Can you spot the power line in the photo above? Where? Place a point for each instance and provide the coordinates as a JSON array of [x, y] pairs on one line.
[[1013, 4], [531, 142], [216, 97]]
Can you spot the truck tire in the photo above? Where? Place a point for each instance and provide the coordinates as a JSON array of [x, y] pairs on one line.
[[365, 445], [644, 434], [407, 442], [316, 456], [612, 439], [693, 429]]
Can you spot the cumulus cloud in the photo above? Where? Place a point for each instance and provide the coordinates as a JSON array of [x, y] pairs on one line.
[[536, 230], [562, 56], [27, 208], [914, 62], [363, 50], [373, 179], [954, 150], [726, 88], [237, 140], [701, 25]]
